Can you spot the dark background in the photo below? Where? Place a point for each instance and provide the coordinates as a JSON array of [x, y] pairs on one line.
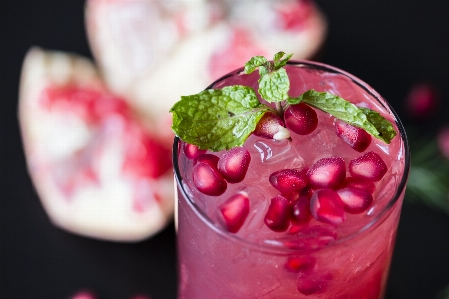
[[392, 44]]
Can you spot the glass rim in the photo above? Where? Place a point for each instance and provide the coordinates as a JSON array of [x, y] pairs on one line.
[[279, 247]]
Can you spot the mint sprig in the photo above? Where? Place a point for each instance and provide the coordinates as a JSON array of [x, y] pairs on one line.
[[371, 121], [217, 119]]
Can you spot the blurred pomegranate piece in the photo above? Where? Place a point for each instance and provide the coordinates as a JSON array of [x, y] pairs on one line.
[[422, 101], [97, 170], [443, 141]]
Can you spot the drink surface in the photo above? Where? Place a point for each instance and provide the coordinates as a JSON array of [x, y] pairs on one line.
[[312, 258]]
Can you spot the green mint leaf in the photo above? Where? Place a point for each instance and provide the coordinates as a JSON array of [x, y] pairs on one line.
[[254, 63], [372, 122], [383, 126], [218, 119], [278, 62], [274, 86]]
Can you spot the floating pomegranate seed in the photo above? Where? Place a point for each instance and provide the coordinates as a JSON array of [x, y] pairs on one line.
[[271, 126], [300, 211], [301, 119], [369, 167], [313, 284], [326, 206], [301, 264], [235, 210], [278, 214], [208, 180], [209, 159], [234, 164], [192, 151], [327, 172], [355, 200], [359, 183], [289, 180], [357, 138], [422, 101]]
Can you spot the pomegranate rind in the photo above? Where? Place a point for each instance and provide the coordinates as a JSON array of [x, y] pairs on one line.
[[143, 54], [103, 211]]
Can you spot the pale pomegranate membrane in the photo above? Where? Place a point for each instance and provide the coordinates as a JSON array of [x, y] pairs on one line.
[[313, 216]]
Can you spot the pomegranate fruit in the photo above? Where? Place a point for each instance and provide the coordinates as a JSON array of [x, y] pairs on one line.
[[235, 210], [234, 164], [289, 180], [277, 217], [369, 167], [327, 206], [97, 170], [271, 126], [327, 172], [301, 119], [357, 138], [355, 200], [208, 180]]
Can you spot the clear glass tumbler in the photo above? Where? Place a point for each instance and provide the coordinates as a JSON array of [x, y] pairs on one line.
[[316, 260]]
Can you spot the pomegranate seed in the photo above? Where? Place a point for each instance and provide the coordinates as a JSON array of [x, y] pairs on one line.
[[271, 126], [235, 210], [209, 159], [326, 206], [327, 172], [300, 212], [208, 180], [369, 167], [278, 214], [289, 180], [301, 119], [355, 200], [357, 138], [422, 101], [313, 284], [234, 164], [359, 183], [301, 264], [192, 151]]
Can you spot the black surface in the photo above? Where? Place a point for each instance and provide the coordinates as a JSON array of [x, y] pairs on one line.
[[391, 44]]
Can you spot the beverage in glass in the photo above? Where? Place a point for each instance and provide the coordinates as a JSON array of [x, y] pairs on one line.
[[317, 252]]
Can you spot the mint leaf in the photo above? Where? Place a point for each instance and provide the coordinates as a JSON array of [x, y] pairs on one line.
[[383, 126], [217, 119], [255, 62], [274, 86], [372, 122], [278, 62]]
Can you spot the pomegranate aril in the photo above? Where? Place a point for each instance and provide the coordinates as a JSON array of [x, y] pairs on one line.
[[208, 180], [326, 206], [351, 182], [271, 126], [277, 217], [289, 180], [209, 159], [327, 172], [234, 164], [235, 210], [357, 138], [355, 200], [369, 167], [299, 264], [313, 284], [300, 211], [192, 151], [301, 119]]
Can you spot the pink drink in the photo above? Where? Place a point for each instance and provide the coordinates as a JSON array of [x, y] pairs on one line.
[[312, 258]]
